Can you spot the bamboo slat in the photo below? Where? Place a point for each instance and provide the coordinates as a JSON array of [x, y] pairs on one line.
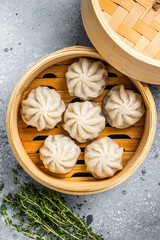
[[32, 139], [25, 141], [126, 34], [134, 20]]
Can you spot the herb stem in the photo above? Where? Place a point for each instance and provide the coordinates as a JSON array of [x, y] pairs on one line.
[[5, 198], [78, 220], [42, 214], [23, 223], [62, 215], [33, 203]]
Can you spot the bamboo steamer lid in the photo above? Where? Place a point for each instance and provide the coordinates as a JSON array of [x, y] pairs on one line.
[[127, 34]]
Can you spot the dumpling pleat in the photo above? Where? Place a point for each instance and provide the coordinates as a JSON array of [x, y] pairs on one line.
[[75, 68], [103, 158], [85, 65], [123, 108], [82, 74], [98, 76], [40, 97], [83, 120], [71, 75], [63, 153], [123, 95], [43, 108], [30, 103], [93, 69]]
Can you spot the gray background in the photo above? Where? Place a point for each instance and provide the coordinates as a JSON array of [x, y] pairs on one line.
[[30, 30]]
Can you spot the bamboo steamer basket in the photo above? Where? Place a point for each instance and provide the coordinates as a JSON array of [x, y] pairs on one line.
[[25, 141], [127, 34]]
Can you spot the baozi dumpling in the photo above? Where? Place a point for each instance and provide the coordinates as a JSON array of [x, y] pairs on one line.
[[103, 158], [84, 121], [59, 153], [86, 79], [123, 108], [43, 108]]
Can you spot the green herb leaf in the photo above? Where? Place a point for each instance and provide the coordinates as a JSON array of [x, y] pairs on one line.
[[42, 214], [1, 187]]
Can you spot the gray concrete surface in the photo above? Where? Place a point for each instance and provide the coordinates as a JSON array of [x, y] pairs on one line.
[[30, 30]]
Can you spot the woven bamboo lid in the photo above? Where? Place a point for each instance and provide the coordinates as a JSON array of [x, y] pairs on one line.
[[127, 34]]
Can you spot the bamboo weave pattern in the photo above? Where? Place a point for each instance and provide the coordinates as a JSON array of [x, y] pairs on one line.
[[136, 22], [32, 140]]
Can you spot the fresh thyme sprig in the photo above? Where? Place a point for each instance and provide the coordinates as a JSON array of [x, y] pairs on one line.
[[43, 214]]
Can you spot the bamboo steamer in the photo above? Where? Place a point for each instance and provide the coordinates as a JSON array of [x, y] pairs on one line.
[[127, 34], [25, 141]]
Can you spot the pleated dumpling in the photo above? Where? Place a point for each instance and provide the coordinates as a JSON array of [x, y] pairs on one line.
[[43, 108], [59, 153], [84, 121], [123, 108], [103, 158], [86, 79]]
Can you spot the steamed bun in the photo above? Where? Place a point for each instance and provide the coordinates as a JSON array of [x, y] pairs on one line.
[[43, 108], [86, 79], [59, 153], [123, 108], [84, 121], [103, 158]]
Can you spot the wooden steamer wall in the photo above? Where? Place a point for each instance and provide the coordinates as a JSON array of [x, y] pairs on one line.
[[26, 141]]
